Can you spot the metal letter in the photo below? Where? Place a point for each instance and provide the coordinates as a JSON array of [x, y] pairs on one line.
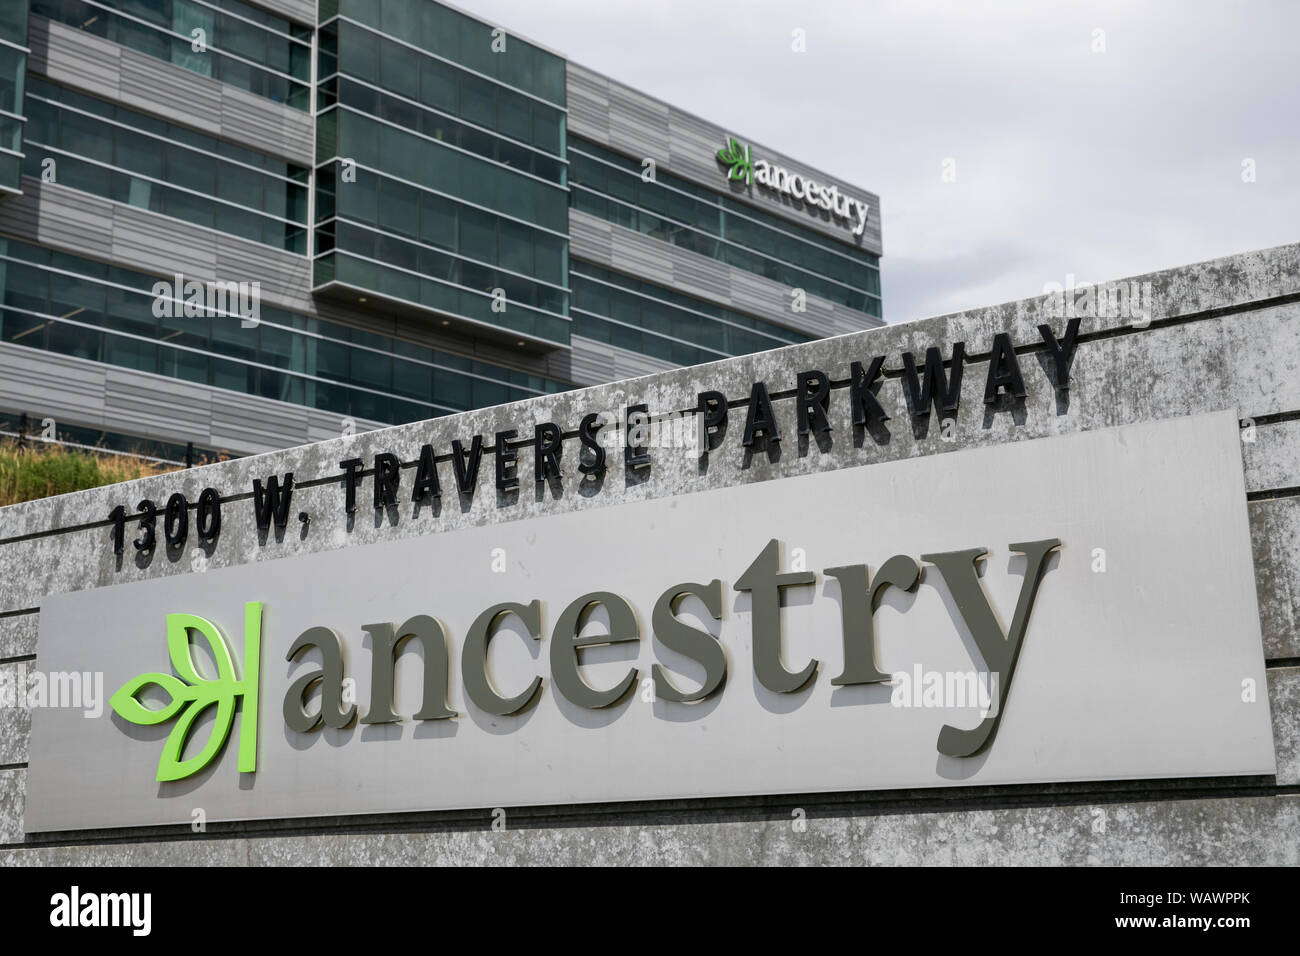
[[1004, 370], [474, 665], [697, 644], [814, 396], [1000, 651], [330, 677], [859, 598], [764, 582], [760, 417], [566, 646], [386, 643]]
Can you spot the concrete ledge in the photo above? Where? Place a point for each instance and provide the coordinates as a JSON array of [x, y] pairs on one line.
[[1240, 831]]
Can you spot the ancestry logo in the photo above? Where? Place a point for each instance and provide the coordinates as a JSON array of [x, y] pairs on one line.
[[189, 694], [320, 698], [745, 168]]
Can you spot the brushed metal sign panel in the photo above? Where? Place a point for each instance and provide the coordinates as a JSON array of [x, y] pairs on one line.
[[1132, 668]]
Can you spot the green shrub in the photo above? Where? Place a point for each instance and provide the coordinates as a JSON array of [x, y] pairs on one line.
[[40, 470]]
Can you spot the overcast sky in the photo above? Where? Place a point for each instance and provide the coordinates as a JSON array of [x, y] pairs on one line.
[[1068, 161]]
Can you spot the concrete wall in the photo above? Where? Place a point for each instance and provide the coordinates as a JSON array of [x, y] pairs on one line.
[[1222, 335]]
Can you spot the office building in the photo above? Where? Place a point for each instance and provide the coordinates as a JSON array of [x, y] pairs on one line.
[[241, 227]]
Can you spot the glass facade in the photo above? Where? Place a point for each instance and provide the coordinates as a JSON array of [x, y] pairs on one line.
[[233, 42], [441, 174], [663, 323], [458, 39], [124, 155], [609, 185], [13, 68], [440, 187], [75, 306]]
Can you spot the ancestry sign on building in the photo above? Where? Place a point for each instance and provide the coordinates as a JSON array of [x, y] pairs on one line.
[[994, 615]]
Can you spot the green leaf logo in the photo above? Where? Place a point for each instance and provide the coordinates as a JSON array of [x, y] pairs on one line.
[[190, 694], [740, 159]]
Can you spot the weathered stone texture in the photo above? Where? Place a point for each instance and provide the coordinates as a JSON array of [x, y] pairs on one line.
[[1222, 334]]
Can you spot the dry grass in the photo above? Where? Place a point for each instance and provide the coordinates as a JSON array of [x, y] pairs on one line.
[[40, 470]]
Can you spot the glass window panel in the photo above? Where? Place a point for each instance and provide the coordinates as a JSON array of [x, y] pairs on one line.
[[551, 257], [234, 36], [518, 194], [140, 154], [130, 312], [359, 97], [476, 46], [359, 53], [197, 171], [42, 122], [86, 136], [295, 201], [237, 222], [179, 329], [548, 129], [231, 339], [139, 37], [516, 247], [400, 67], [399, 208], [400, 18], [514, 117], [232, 375], [367, 405], [183, 364], [78, 299], [73, 340], [131, 353], [437, 221], [360, 200], [399, 152], [276, 346], [478, 101], [548, 77], [186, 18], [196, 210], [397, 252], [371, 368], [22, 328], [332, 360], [437, 85], [478, 235]]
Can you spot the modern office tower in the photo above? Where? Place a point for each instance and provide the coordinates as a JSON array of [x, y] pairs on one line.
[[232, 227]]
